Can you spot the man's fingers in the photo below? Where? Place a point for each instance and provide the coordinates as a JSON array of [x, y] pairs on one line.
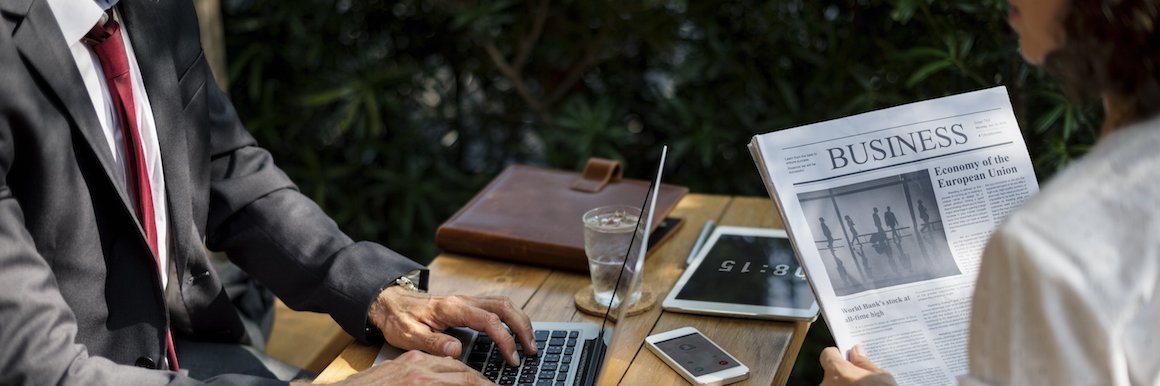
[[417, 367], [438, 343], [459, 312], [418, 324], [515, 319], [410, 333], [454, 372], [474, 378], [431, 362]]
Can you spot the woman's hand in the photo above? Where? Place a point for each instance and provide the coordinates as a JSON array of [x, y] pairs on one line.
[[415, 321], [859, 370]]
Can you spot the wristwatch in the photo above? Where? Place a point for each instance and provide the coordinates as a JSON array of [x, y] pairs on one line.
[[409, 281]]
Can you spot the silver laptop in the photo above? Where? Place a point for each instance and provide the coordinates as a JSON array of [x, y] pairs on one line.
[[570, 353]]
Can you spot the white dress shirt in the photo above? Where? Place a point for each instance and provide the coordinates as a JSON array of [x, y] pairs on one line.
[[75, 18], [1069, 288]]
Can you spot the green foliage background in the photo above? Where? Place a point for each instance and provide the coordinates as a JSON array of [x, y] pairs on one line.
[[392, 114]]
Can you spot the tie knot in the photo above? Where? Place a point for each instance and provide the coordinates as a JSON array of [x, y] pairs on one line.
[[101, 32], [105, 40]]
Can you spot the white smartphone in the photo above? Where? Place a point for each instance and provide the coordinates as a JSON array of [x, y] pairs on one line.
[[696, 358]]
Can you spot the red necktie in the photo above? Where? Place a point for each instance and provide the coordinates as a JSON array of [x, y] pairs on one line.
[[107, 43]]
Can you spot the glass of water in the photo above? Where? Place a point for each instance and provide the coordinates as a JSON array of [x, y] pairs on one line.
[[608, 233]]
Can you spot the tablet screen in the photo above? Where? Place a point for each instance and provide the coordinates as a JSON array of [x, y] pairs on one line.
[[751, 270]]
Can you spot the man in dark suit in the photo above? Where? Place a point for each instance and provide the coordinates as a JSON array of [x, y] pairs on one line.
[[120, 163]]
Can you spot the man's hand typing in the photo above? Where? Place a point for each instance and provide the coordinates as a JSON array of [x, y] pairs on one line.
[[416, 321], [418, 368]]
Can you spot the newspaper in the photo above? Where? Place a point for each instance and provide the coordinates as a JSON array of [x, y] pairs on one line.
[[889, 212]]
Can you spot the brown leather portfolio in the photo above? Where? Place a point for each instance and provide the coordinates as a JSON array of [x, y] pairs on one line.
[[533, 215]]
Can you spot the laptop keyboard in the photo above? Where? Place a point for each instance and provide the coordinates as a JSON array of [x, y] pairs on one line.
[[551, 367]]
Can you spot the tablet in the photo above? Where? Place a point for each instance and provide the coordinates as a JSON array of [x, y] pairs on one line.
[[745, 272]]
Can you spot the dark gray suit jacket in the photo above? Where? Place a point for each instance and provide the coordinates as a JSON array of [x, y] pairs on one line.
[[80, 302]]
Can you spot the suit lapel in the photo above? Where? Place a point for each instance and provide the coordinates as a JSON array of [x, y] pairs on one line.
[[40, 42]]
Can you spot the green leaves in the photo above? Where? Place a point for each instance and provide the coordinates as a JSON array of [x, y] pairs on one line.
[[1068, 130], [928, 69], [483, 16], [954, 55], [393, 114], [586, 130], [904, 10]]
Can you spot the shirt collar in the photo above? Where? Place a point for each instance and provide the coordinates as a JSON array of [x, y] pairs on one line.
[[75, 17], [106, 4]]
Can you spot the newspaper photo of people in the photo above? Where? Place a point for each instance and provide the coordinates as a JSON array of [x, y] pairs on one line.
[[879, 233]]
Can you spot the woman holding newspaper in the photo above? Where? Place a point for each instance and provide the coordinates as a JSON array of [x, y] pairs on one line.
[[1068, 292]]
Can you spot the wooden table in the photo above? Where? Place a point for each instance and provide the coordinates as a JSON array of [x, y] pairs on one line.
[[769, 348]]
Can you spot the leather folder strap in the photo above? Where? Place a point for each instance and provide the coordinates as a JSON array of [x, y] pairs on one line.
[[597, 174]]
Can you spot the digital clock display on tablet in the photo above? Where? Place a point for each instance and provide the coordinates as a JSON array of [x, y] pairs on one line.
[[753, 270]]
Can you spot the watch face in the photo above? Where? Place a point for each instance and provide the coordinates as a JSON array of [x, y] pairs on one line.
[[406, 284], [410, 281], [751, 270]]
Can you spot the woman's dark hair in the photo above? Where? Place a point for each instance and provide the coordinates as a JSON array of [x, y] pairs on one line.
[[1111, 46]]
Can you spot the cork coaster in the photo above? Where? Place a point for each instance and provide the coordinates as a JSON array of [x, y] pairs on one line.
[[587, 305]]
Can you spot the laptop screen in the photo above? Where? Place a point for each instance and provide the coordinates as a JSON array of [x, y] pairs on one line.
[[627, 283], [634, 257]]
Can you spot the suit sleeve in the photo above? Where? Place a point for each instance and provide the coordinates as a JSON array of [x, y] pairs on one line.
[[263, 223]]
